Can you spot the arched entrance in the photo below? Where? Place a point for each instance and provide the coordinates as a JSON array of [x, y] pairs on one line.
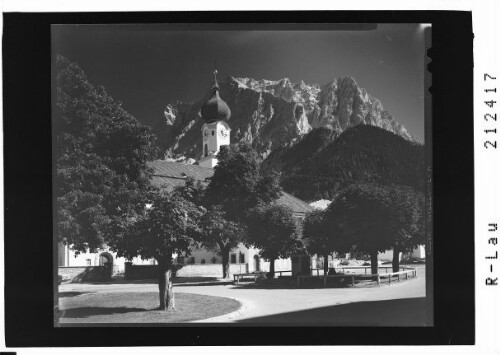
[[106, 260], [256, 263]]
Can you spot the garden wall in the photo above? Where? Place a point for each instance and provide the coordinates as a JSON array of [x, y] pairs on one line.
[[213, 270], [84, 273], [142, 272]]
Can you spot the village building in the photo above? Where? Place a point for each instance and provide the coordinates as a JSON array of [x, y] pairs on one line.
[[215, 132]]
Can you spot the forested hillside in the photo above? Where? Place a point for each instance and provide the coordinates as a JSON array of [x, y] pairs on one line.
[[320, 165]]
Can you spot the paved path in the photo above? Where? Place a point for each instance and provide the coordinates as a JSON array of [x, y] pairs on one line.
[[371, 305]]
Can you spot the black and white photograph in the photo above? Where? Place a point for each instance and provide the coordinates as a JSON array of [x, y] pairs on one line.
[[241, 176]]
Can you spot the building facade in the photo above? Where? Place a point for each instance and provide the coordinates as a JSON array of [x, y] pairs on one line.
[[167, 175], [215, 132]]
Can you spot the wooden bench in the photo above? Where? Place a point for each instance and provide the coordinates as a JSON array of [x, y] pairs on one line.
[[398, 274], [237, 277]]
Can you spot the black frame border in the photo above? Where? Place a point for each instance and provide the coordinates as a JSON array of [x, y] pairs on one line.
[[28, 186]]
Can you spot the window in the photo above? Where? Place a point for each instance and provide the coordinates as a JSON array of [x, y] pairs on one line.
[[203, 261], [214, 259], [242, 258], [213, 132], [191, 260], [233, 258], [89, 262], [206, 149]]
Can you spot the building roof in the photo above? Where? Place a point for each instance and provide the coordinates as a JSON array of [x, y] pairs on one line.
[[297, 205], [215, 109], [169, 170], [169, 174]]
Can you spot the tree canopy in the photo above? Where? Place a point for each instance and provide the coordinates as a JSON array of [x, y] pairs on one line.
[[238, 184], [275, 231], [375, 218], [221, 235], [100, 154], [321, 240], [219, 232], [169, 226]]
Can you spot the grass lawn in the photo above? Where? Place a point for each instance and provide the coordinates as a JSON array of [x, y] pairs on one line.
[[139, 307]]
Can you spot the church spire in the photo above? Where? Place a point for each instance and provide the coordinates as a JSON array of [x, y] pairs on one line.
[[215, 109], [216, 84], [215, 130]]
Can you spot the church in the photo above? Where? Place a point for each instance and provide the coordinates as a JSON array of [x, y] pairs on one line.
[[215, 132]]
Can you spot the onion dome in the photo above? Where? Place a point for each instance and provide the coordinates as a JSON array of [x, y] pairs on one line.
[[215, 109]]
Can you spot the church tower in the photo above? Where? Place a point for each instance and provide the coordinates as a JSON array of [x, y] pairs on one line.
[[215, 131]]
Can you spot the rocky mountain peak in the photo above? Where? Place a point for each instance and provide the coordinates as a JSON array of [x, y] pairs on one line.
[[276, 113]]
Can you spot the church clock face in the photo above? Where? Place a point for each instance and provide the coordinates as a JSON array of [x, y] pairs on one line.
[[223, 133]]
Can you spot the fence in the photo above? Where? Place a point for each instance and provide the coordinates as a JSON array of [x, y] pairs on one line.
[[406, 271]]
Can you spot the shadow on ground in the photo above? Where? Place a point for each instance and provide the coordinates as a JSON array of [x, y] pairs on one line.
[[397, 312], [83, 312], [71, 294]]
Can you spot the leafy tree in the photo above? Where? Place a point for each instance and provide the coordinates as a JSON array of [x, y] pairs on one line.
[[235, 190], [320, 240], [192, 190], [100, 154], [170, 226], [375, 218], [221, 235], [276, 232], [409, 222], [238, 184], [361, 214]]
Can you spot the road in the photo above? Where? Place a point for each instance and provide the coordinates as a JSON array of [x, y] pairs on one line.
[[399, 304]]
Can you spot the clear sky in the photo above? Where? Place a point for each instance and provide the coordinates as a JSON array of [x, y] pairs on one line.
[[148, 66]]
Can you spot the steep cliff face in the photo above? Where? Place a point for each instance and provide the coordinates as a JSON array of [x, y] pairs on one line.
[[275, 114]]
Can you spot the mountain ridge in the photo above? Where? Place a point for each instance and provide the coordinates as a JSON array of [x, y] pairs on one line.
[[275, 114]]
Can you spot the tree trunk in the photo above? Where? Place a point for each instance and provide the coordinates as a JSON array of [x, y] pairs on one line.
[[225, 264], [167, 300], [270, 275], [326, 269], [374, 261], [395, 259]]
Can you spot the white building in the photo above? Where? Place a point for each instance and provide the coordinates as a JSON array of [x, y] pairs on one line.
[[167, 174]]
